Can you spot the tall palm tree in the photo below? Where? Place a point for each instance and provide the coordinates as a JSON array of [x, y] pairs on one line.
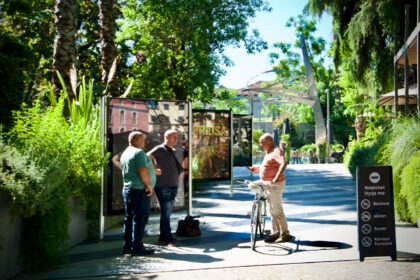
[[65, 49], [109, 48]]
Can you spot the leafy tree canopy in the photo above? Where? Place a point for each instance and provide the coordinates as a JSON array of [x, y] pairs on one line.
[[365, 35], [179, 44]]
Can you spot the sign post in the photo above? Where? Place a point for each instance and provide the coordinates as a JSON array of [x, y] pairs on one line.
[[375, 211]]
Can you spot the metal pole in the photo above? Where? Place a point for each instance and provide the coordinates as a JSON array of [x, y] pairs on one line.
[[328, 127], [396, 73], [190, 116], [407, 18], [231, 151], [103, 136], [418, 72]]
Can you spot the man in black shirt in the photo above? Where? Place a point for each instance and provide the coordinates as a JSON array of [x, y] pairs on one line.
[[164, 158]]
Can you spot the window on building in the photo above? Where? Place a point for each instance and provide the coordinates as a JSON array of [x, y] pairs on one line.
[[134, 118], [181, 106], [122, 117], [122, 130], [181, 119], [151, 104], [153, 118], [166, 106]]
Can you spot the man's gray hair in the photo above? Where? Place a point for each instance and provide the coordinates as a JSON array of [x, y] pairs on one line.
[[267, 136], [133, 136]]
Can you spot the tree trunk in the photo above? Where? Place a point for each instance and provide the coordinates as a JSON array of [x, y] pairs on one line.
[[359, 126], [65, 50], [320, 129], [109, 49]]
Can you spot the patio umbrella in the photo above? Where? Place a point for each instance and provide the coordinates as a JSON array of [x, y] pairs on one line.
[[388, 98]]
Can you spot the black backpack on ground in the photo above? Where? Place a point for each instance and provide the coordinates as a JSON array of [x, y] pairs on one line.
[[189, 227]]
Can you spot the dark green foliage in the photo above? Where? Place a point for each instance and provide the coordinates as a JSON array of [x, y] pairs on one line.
[[361, 154], [43, 242], [15, 58], [365, 35], [48, 160]]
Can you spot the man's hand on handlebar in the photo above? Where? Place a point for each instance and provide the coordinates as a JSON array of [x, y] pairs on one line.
[[254, 169]]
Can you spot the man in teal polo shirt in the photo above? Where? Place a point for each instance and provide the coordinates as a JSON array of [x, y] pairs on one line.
[[139, 180]]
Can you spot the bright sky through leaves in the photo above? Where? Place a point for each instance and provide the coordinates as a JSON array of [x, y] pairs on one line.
[[272, 27]]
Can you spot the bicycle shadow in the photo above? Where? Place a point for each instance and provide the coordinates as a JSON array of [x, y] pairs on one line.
[[283, 249]]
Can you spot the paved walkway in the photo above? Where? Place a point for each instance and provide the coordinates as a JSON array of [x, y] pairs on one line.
[[320, 205]]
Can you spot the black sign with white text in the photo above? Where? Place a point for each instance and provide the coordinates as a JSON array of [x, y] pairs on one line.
[[375, 210]]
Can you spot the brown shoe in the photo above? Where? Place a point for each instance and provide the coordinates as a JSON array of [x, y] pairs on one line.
[[285, 237], [272, 238]]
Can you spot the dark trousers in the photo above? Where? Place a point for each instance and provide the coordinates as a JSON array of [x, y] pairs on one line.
[[137, 210], [166, 197]]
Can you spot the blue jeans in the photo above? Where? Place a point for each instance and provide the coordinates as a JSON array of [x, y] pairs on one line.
[[137, 210], [166, 197]]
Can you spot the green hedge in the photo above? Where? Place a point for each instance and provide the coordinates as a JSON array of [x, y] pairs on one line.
[[410, 186], [403, 144], [362, 154], [45, 159], [399, 146]]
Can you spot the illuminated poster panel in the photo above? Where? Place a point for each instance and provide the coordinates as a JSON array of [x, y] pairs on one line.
[[242, 140], [153, 118], [211, 144]]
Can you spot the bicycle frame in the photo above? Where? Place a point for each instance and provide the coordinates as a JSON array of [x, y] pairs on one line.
[[258, 213]]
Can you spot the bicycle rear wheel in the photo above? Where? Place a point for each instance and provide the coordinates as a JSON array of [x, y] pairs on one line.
[[262, 218], [255, 220]]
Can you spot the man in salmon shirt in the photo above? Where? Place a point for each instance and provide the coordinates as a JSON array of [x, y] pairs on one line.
[[272, 174]]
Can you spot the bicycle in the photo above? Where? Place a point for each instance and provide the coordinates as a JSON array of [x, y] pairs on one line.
[[259, 209]]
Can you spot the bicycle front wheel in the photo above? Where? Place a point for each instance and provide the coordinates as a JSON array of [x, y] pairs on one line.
[[255, 214]]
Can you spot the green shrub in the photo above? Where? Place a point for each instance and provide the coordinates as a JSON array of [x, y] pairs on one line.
[[410, 186], [321, 151], [47, 159], [337, 147], [403, 143], [308, 148], [362, 154], [256, 134], [285, 139]]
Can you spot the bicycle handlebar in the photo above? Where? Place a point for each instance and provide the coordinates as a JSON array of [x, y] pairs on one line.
[[259, 184], [246, 181]]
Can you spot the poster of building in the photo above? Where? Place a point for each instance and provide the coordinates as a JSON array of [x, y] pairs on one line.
[[152, 118], [211, 144], [242, 140]]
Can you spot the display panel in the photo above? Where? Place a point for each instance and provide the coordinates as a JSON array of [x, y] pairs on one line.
[[211, 144], [242, 140], [153, 118]]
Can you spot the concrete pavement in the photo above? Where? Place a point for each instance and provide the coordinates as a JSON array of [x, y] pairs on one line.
[[320, 205]]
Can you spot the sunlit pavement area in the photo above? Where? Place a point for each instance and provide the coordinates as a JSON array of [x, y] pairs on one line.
[[320, 205]]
